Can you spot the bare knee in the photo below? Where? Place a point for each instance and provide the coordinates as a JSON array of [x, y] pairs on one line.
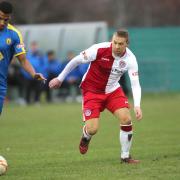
[[123, 115], [92, 128], [125, 119]]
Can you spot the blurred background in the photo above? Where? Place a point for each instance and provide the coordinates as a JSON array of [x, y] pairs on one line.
[[55, 31]]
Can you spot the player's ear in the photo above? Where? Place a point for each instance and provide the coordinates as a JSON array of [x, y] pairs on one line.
[[127, 41]]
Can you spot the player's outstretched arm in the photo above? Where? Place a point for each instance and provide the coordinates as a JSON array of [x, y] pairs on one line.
[[29, 68], [56, 82]]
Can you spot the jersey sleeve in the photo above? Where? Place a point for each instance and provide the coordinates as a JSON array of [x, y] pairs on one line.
[[89, 54], [84, 57], [69, 67], [18, 44], [134, 79]]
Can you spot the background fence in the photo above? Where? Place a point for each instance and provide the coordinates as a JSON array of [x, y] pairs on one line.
[[64, 37], [158, 54]]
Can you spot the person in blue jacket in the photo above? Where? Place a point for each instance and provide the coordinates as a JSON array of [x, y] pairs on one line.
[[54, 67], [33, 89], [72, 80]]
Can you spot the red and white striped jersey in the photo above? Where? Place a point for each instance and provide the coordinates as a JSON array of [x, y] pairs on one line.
[[105, 70]]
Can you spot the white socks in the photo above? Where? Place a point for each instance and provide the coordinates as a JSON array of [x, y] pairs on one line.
[[125, 140]]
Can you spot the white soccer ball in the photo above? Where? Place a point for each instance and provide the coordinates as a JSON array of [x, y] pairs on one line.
[[3, 165]]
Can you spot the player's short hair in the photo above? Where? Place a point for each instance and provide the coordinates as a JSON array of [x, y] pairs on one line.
[[6, 7], [122, 33]]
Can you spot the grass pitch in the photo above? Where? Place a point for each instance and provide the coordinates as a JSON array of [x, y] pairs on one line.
[[41, 143]]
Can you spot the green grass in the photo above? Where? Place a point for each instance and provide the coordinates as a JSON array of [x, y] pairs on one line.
[[41, 143]]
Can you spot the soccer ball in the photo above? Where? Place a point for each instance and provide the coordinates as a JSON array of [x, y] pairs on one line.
[[3, 165]]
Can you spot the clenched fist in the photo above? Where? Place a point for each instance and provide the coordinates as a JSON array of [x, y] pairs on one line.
[[55, 83]]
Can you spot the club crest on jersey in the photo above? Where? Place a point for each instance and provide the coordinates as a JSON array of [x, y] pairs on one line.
[[87, 112], [8, 41], [84, 55], [122, 64], [20, 46]]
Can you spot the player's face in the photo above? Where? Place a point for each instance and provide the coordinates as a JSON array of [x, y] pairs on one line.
[[119, 45], [4, 19]]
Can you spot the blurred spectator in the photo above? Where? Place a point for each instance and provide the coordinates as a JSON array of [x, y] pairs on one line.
[[123, 82], [71, 82], [82, 69], [15, 82], [54, 67], [33, 89]]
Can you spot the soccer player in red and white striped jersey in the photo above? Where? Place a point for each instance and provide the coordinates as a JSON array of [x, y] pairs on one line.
[[101, 89]]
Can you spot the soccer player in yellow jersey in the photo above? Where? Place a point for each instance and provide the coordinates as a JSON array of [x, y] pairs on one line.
[[11, 44]]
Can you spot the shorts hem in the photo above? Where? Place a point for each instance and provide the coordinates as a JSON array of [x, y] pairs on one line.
[[89, 118], [120, 108]]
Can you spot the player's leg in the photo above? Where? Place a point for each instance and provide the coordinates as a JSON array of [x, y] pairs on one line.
[[126, 134], [117, 103], [124, 118], [92, 105], [90, 128]]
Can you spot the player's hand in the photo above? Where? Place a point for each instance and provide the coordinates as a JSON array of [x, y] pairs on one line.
[[55, 83], [138, 113], [40, 77]]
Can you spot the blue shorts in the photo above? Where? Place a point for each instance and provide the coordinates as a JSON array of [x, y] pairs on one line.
[[2, 96]]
